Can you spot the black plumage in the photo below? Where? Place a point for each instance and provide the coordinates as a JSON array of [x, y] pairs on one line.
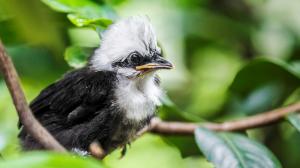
[[78, 109], [110, 99]]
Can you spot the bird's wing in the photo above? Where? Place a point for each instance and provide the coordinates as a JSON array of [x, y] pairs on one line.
[[75, 96]]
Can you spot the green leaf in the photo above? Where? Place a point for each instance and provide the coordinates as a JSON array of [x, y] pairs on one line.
[[80, 21], [76, 57], [294, 118], [229, 150], [84, 13], [261, 85], [50, 160], [68, 6]]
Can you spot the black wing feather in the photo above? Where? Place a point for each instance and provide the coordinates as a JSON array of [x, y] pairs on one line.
[[75, 109], [81, 88]]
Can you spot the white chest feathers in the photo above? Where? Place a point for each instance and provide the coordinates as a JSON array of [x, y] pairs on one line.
[[138, 97]]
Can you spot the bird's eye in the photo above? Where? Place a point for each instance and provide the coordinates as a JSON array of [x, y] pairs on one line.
[[134, 58]]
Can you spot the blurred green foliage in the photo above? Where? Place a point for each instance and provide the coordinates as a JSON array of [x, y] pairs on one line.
[[229, 150], [233, 59], [50, 160]]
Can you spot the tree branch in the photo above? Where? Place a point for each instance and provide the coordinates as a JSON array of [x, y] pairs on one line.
[[31, 125], [182, 128], [39, 133]]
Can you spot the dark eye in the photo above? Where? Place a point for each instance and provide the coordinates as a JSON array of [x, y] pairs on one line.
[[135, 58]]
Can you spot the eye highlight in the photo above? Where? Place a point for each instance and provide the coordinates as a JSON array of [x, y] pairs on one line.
[[135, 57]]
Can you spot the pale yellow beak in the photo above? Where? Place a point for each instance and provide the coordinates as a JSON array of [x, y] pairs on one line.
[[153, 66]]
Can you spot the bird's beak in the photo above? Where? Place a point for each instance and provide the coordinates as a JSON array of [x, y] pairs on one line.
[[159, 63]]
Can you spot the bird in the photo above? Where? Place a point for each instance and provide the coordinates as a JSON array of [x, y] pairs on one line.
[[111, 98]]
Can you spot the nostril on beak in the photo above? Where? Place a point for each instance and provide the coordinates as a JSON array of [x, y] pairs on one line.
[[162, 61]]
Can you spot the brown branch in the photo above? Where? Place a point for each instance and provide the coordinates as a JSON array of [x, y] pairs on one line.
[[31, 125], [35, 129], [182, 128]]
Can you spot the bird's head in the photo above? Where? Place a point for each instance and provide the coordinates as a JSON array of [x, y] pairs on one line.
[[130, 48]]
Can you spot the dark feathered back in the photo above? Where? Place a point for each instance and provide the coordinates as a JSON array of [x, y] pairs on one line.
[[71, 102]]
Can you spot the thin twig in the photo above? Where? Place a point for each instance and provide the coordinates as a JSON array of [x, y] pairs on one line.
[[182, 128], [31, 125]]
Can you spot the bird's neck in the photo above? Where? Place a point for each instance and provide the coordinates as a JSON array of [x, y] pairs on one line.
[[138, 96], [145, 84]]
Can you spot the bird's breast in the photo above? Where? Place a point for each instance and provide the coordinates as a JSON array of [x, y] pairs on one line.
[[137, 99], [135, 105]]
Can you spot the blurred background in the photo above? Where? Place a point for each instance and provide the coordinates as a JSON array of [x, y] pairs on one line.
[[233, 58]]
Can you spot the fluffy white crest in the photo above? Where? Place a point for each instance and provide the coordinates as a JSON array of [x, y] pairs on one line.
[[123, 37], [137, 96]]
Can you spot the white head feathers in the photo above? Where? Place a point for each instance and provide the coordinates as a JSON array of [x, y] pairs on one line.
[[123, 37]]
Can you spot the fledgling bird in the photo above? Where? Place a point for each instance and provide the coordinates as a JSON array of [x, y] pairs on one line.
[[110, 99]]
